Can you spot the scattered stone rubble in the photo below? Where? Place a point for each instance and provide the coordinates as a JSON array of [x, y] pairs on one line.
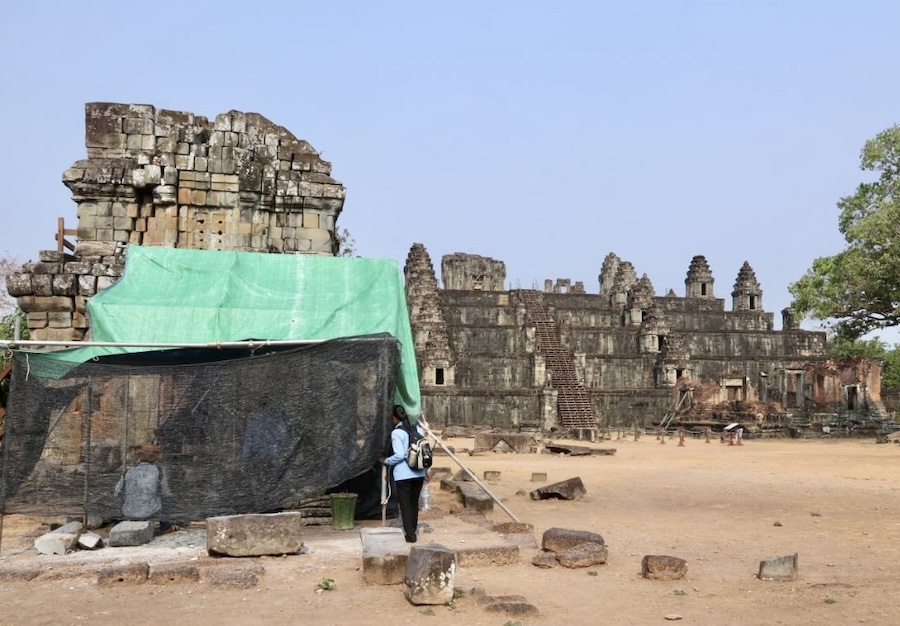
[[663, 567], [779, 568], [571, 548], [569, 489]]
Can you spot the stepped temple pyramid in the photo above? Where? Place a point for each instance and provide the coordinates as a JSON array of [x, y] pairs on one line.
[[562, 359], [554, 359]]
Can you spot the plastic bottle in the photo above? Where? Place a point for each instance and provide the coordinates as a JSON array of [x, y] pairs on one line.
[[426, 496]]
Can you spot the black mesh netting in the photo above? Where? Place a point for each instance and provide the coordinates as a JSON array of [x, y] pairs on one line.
[[231, 433]]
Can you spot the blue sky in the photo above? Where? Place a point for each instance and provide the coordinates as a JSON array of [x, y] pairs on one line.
[[542, 134]]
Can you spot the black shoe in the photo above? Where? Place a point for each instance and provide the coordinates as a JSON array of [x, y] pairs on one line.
[[410, 539]]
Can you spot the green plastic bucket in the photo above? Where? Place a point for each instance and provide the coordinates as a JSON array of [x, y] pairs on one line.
[[343, 510]]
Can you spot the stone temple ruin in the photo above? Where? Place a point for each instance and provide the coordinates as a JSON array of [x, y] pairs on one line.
[[563, 359], [553, 359], [156, 177]]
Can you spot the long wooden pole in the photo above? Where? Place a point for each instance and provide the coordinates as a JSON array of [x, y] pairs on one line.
[[421, 421]]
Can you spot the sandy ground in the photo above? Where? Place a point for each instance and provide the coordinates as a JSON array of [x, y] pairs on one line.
[[722, 508]]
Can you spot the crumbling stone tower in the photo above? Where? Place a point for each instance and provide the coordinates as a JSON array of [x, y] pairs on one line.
[[699, 281], [156, 177], [747, 294], [433, 356]]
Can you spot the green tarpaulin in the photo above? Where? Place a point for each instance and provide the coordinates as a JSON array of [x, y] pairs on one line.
[[203, 296]]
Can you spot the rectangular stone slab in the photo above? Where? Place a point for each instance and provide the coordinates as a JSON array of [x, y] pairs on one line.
[[385, 554], [255, 534]]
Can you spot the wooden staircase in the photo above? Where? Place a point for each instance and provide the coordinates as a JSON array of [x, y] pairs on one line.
[[573, 404]]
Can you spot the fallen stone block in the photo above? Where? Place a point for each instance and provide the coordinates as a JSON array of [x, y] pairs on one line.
[[564, 490], [517, 533], [662, 567], [166, 573], [516, 606], [583, 555], [384, 554], [255, 534], [780, 568], [487, 555], [90, 540], [131, 573], [555, 448], [504, 442], [474, 497], [439, 473], [430, 574], [59, 541], [561, 539], [545, 560], [130, 534], [491, 475]]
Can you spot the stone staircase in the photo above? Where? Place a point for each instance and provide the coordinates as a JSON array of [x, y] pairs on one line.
[[573, 405]]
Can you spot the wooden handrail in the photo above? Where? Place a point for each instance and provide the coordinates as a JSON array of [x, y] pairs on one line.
[[61, 232]]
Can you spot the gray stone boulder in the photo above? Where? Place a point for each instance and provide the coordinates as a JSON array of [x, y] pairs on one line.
[[545, 560], [662, 567], [430, 574], [90, 540], [60, 540], [583, 555], [569, 489], [130, 534], [474, 497], [255, 534], [779, 568], [561, 539]]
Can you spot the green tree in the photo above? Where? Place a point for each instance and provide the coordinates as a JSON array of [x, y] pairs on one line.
[[346, 244], [9, 312], [858, 289], [873, 348]]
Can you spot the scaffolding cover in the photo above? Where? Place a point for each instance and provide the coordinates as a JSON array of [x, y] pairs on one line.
[[177, 295], [230, 433]]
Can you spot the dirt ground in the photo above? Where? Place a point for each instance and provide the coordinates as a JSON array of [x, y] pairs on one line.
[[722, 508]]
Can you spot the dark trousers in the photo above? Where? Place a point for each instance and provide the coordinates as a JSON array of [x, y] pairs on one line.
[[408, 498]]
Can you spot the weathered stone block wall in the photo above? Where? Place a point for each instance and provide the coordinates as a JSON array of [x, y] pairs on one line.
[[501, 371], [491, 340], [172, 178], [625, 407], [473, 272], [156, 177], [513, 408]]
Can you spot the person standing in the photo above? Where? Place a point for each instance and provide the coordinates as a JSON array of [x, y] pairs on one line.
[[407, 481]]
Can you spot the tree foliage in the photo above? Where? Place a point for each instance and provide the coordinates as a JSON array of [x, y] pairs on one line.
[[9, 312], [858, 289], [872, 348], [346, 244]]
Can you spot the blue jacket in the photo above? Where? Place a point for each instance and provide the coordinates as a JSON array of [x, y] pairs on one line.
[[400, 446]]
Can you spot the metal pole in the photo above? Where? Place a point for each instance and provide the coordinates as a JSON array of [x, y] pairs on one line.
[[424, 424], [148, 344]]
